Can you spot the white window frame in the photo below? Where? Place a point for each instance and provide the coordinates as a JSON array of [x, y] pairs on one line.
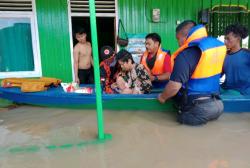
[[35, 44]]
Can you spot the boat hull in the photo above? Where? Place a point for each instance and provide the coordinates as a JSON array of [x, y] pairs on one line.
[[56, 97]]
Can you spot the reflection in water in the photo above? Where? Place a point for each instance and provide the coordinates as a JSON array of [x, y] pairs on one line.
[[9, 138], [20, 149]]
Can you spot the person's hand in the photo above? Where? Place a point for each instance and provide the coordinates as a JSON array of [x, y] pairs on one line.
[[161, 99], [113, 85], [77, 80], [152, 77]]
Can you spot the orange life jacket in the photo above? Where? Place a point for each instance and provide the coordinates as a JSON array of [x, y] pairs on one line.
[[159, 62]]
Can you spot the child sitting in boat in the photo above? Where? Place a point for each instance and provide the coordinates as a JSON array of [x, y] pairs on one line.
[[134, 78], [122, 84]]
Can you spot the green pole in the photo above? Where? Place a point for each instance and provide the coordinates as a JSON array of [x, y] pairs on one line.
[[100, 122]]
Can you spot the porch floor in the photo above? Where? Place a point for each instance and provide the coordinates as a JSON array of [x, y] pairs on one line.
[[38, 137]]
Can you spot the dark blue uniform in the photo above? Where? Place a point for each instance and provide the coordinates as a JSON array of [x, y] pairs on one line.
[[201, 108]]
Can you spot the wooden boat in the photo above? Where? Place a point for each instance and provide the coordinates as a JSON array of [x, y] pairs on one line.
[[56, 97]]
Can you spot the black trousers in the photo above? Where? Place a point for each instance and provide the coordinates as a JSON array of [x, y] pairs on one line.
[[86, 76]]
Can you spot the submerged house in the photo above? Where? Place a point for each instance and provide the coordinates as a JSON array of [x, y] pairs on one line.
[[36, 36]]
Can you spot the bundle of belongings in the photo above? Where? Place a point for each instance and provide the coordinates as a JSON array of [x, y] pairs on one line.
[[31, 85], [75, 88]]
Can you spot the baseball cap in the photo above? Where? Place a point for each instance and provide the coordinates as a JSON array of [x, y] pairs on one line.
[[106, 52]]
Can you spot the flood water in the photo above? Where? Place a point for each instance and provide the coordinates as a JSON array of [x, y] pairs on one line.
[[38, 137]]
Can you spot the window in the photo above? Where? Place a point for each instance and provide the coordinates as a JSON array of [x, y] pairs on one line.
[[224, 15], [19, 51], [104, 8]]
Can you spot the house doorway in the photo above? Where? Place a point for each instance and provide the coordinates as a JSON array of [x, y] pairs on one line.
[[105, 30]]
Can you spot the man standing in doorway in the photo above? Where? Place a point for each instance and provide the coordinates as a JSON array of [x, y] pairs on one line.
[[83, 60]]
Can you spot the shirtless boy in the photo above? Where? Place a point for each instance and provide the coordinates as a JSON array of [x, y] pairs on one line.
[[83, 58]]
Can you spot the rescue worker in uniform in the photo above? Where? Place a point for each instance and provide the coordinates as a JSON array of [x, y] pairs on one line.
[[156, 61], [108, 68], [196, 70]]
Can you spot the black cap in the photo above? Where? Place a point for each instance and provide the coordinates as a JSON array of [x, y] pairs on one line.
[[106, 52]]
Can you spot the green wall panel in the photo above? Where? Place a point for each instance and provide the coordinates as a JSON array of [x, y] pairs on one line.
[[17, 36], [136, 16], [139, 13], [53, 27]]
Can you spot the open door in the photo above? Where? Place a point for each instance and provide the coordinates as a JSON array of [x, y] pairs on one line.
[[106, 22], [105, 28]]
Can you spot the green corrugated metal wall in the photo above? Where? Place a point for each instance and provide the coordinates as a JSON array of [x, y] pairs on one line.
[[138, 12], [20, 58], [52, 16]]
